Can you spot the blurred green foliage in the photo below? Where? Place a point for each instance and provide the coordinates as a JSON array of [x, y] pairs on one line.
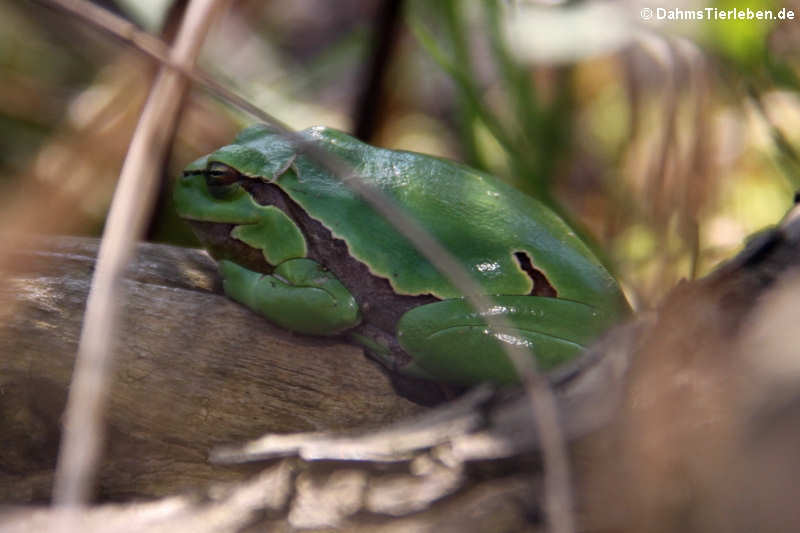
[[742, 41], [532, 130]]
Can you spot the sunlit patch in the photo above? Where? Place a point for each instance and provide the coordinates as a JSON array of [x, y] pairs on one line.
[[488, 267], [402, 175], [497, 310], [513, 340]]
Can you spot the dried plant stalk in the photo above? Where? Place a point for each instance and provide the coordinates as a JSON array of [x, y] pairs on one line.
[[130, 210]]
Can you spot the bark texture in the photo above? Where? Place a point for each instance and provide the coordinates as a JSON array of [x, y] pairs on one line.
[[193, 370]]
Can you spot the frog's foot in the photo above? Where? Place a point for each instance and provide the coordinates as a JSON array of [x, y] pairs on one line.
[[407, 378], [452, 342], [385, 349], [299, 295]]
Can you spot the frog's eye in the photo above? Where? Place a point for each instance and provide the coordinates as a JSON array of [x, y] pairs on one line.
[[220, 176]]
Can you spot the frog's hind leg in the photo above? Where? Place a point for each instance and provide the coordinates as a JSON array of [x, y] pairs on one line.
[[452, 342]]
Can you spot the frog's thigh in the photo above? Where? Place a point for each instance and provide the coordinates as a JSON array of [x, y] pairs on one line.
[[452, 342], [300, 296]]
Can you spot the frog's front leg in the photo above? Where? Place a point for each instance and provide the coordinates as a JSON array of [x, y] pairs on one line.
[[300, 295], [451, 342]]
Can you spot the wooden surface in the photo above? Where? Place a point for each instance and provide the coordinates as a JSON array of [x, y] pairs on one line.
[[193, 370]]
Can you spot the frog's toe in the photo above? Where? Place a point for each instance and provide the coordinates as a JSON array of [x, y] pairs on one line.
[[300, 297]]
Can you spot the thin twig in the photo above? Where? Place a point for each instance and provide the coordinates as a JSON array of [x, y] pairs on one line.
[[697, 173], [385, 37], [130, 208]]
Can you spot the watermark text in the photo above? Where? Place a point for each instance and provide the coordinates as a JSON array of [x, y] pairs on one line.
[[717, 14]]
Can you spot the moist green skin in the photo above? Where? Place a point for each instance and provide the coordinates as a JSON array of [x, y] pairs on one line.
[[512, 245]]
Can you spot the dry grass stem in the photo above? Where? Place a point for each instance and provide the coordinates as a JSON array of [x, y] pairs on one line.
[[130, 210]]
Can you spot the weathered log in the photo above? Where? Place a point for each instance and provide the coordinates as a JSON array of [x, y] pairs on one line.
[[706, 436], [193, 370]]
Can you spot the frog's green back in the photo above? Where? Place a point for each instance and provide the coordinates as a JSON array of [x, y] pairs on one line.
[[481, 220]]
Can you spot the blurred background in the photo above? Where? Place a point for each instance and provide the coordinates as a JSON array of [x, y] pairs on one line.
[[665, 143]]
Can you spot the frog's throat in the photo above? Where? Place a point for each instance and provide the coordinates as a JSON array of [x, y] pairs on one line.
[[216, 238]]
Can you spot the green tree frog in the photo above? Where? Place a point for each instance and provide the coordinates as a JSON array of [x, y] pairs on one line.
[[297, 246]]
